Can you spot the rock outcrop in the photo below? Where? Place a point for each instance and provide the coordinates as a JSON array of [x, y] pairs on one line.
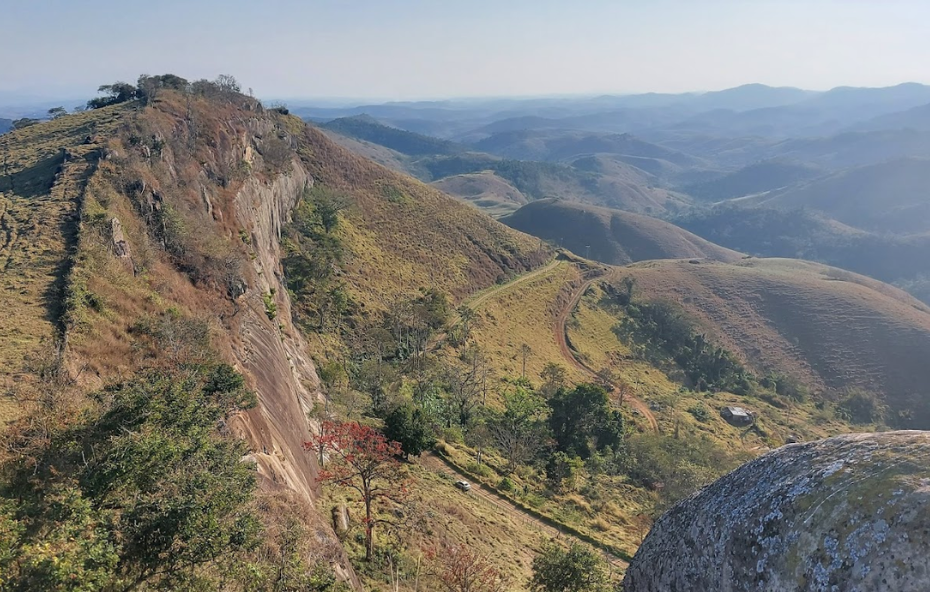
[[843, 514]]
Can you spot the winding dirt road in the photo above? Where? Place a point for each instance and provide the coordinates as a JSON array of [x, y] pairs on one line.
[[561, 337], [436, 464]]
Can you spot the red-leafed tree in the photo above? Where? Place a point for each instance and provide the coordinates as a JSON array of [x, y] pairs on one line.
[[360, 458], [460, 569]]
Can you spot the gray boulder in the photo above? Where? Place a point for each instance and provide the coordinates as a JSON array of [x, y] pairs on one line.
[[850, 513]]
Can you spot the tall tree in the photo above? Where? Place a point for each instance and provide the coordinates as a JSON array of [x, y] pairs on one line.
[[582, 421], [410, 427], [519, 429], [554, 377], [574, 569], [361, 458]]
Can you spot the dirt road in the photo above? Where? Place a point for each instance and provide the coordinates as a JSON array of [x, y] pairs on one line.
[[491, 292], [431, 461], [561, 337]]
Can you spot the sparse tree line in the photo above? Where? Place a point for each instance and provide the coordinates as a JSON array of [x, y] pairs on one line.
[[146, 90]]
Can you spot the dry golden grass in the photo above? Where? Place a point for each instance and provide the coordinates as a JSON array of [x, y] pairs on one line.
[[833, 329], [42, 177], [485, 190], [612, 236], [404, 235], [436, 512], [525, 313]]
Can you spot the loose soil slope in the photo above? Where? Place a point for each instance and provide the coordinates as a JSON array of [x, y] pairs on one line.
[[612, 236], [826, 326]]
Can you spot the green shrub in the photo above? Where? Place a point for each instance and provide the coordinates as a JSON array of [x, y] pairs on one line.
[[700, 412], [659, 332], [506, 485], [861, 407], [271, 309]]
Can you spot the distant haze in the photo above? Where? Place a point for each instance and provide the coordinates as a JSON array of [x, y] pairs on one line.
[[403, 49]]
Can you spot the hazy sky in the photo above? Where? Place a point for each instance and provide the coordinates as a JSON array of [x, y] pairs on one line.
[[392, 49]]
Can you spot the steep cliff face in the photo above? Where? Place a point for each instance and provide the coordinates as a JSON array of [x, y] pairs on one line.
[[183, 219], [846, 513], [273, 353]]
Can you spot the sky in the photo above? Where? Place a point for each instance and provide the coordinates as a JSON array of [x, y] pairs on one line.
[[420, 49]]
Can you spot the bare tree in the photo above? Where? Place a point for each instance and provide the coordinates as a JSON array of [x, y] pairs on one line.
[[525, 351]]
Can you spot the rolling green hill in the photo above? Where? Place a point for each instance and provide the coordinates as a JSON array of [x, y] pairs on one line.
[[892, 196], [832, 329], [611, 236], [485, 190], [756, 178], [560, 145], [803, 234]]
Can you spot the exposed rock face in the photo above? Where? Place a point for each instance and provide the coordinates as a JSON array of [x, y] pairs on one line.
[[120, 244], [842, 514]]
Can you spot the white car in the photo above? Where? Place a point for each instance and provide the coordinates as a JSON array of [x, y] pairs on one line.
[[463, 485]]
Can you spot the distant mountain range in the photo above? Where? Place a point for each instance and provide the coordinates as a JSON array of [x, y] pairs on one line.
[[841, 177]]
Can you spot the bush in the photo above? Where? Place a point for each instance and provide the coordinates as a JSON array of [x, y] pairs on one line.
[[577, 568], [506, 485], [162, 498], [861, 407], [700, 412]]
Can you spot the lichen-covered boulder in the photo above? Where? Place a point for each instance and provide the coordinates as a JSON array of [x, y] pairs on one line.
[[850, 513]]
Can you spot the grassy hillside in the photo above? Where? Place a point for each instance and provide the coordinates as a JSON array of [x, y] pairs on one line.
[[756, 178], [892, 196], [402, 235], [478, 177], [485, 190], [613, 187], [832, 329], [803, 234], [561, 145], [611, 236], [45, 169], [367, 129], [380, 154]]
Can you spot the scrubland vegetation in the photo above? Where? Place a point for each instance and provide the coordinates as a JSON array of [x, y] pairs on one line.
[[581, 400]]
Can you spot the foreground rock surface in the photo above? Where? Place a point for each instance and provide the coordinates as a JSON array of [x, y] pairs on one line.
[[850, 513]]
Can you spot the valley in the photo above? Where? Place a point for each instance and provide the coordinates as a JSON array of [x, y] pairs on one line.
[[560, 316]]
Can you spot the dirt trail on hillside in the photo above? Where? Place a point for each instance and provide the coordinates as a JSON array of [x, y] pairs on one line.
[[482, 298], [431, 461], [561, 337]]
